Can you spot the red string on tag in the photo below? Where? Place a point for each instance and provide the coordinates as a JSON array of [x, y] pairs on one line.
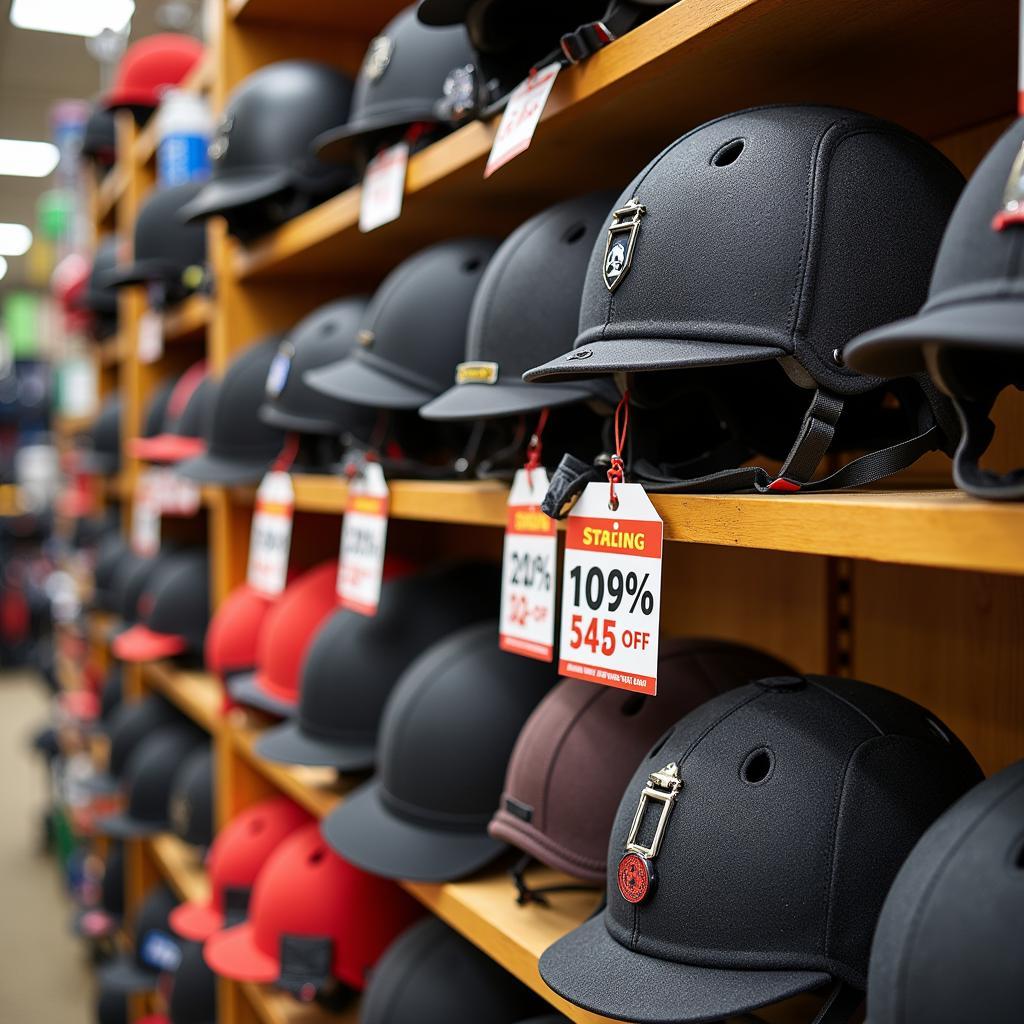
[[616, 473], [534, 449], [284, 460]]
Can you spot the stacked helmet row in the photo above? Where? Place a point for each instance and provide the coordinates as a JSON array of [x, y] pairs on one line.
[[747, 824]]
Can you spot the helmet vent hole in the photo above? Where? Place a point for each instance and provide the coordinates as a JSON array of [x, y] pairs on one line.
[[938, 730], [656, 749], [632, 705], [728, 154], [256, 827], [1018, 861], [317, 855], [757, 766], [575, 233], [472, 264]]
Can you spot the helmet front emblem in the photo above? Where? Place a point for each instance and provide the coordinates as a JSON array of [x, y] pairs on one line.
[[622, 235], [378, 57]]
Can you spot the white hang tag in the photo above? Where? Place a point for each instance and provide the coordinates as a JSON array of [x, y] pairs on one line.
[[150, 337], [521, 117], [145, 537], [270, 540], [527, 620], [611, 590], [364, 532], [383, 187], [179, 496]]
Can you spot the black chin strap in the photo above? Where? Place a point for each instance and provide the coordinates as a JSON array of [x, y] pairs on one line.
[[977, 436], [526, 895]]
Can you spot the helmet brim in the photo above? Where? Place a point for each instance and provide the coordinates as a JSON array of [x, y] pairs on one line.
[[590, 969], [897, 349], [338, 144], [354, 380], [440, 13], [233, 954], [246, 689], [166, 448], [289, 744], [275, 417], [196, 922], [232, 191], [485, 401], [639, 355], [365, 832], [210, 468], [140, 643], [124, 826], [125, 975], [140, 272]]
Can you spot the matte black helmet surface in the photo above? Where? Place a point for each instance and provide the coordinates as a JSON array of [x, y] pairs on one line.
[[432, 975], [147, 782], [111, 693], [193, 998], [445, 739], [156, 948], [156, 409], [190, 809], [354, 662], [398, 86], [102, 451], [325, 336], [111, 549], [240, 446], [752, 309], [264, 170], [970, 332], [167, 252], [111, 1006], [753, 849], [414, 332], [525, 306], [100, 297], [132, 723], [948, 945], [99, 142]]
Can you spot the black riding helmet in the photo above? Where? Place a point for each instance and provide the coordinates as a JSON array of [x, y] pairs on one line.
[[445, 739], [168, 254], [412, 338], [240, 446], [101, 452], [948, 944], [156, 949], [398, 86], [131, 724], [99, 140], [193, 998], [109, 553], [354, 663], [970, 333], [690, 294], [264, 170], [100, 297], [190, 809]]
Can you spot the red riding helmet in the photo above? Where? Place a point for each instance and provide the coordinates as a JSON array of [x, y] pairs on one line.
[[150, 66]]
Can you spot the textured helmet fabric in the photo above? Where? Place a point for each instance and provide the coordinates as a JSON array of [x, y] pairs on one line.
[[283, 640], [401, 79], [102, 451], [753, 316], [526, 305], [948, 947], [155, 948], [150, 66], [969, 333], [234, 862], [783, 811], [180, 435], [313, 917], [193, 998], [166, 251], [580, 746], [240, 448], [132, 723], [354, 662], [327, 335], [147, 782], [233, 637], [190, 810], [264, 170], [445, 740], [175, 611], [432, 975], [100, 298]]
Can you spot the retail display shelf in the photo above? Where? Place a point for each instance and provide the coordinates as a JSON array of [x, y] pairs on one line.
[[197, 694], [109, 192], [273, 1007], [182, 867], [187, 320], [347, 16]]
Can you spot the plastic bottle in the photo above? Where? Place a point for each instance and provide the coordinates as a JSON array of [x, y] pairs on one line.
[[184, 127]]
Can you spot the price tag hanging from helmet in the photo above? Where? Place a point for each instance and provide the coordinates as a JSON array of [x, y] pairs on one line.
[[364, 532], [270, 540]]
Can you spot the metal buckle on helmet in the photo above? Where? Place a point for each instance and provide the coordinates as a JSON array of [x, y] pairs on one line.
[[461, 95], [585, 41], [663, 787], [1013, 196]]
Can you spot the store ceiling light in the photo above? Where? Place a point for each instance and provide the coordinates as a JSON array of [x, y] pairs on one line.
[[72, 17], [3, 268], [15, 239], [27, 159]]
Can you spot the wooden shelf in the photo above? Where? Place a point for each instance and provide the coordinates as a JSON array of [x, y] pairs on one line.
[[109, 193], [70, 426], [182, 867], [188, 320], [111, 351], [317, 789], [99, 626], [273, 1007], [347, 16], [197, 694], [605, 118]]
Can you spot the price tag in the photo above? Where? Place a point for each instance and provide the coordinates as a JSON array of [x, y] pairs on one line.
[[364, 532], [271, 538], [521, 117], [151, 337], [611, 590], [145, 536], [178, 496], [527, 621], [383, 187]]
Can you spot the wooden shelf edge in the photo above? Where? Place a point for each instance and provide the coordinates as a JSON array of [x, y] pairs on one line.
[[274, 1007], [197, 694], [109, 192], [181, 866]]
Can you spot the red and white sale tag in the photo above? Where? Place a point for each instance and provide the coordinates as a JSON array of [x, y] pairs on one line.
[[521, 117], [611, 590], [270, 540], [176, 495], [150, 337], [145, 537], [364, 532], [527, 621], [383, 187]]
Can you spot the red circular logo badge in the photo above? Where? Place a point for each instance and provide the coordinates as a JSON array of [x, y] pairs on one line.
[[634, 877]]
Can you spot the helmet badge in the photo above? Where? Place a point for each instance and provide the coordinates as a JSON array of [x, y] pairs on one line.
[[618, 249], [635, 874], [378, 57]]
